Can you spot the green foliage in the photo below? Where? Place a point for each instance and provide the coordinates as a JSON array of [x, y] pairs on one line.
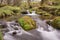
[[34, 9], [12, 8], [27, 23], [56, 23], [4, 13], [35, 4], [1, 36], [24, 6], [9, 11], [30, 10]]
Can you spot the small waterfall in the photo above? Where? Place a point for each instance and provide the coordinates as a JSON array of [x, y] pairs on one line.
[[28, 12], [33, 13]]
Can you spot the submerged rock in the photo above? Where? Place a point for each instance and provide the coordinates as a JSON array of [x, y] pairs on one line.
[[3, 24]]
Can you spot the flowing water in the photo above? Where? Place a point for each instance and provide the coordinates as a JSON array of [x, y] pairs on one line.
[[42, 32]]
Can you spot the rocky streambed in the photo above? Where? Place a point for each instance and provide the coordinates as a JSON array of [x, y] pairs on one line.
[[13, 31]]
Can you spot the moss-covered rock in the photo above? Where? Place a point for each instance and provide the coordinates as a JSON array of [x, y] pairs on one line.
[[4, 13], [34, 9], [12, 8], [41, 12], [52, 10], [9, 11], [35, 4], [2, 5], [1, 36], [27, 23], [56, 23], [45, 15]]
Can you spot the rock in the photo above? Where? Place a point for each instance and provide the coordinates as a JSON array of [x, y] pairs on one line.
[[56, 23], [27, 23], [16, 28], [3, 24]]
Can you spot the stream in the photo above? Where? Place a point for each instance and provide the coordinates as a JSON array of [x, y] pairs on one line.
[[42, 32]]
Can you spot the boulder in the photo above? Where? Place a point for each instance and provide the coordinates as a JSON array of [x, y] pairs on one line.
[[56, 23], [27, 23]]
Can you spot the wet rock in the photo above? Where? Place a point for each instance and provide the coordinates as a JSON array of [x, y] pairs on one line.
[[48, 22], [27, 23], [3, 24], [16, 28]]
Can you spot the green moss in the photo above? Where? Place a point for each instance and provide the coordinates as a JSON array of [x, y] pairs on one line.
[[47, 16], [34, 9], [2, 5], [12, 8], [9, 11], [44, 15], [41, 12], [4, 13], [1, 36], [24, 6], [56, 23], [27, 23]]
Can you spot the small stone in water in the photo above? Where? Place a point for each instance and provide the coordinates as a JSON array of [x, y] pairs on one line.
[[16, 28], [14, 33]]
